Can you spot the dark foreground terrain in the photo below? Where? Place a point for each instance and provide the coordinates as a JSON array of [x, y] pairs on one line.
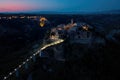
[[97, 62]]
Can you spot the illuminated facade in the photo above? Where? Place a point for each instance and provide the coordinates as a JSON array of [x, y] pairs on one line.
[[81, 33], [42, 21], [54, 34]]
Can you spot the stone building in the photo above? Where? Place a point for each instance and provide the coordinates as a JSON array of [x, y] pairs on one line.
[[81, 33]]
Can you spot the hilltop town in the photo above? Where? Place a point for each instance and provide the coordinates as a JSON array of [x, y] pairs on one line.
[[88, 41]]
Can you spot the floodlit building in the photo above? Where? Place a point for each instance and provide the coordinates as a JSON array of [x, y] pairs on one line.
[[69, 25], [42, 21], [81, 33], [76, 32], [54, 34]]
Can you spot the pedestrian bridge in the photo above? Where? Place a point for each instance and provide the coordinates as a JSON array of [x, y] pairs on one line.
[[15, 72]]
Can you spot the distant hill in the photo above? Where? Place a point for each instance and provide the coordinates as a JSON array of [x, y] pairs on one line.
[[79, 12], [111, 12], [59, 12]]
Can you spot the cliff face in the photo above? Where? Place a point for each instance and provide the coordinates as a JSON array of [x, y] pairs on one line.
[[97, 61]]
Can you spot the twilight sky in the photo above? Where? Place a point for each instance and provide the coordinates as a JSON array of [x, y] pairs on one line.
[[58, 5]]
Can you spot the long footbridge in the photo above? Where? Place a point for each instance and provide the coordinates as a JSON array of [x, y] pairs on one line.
[[32, 57]]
